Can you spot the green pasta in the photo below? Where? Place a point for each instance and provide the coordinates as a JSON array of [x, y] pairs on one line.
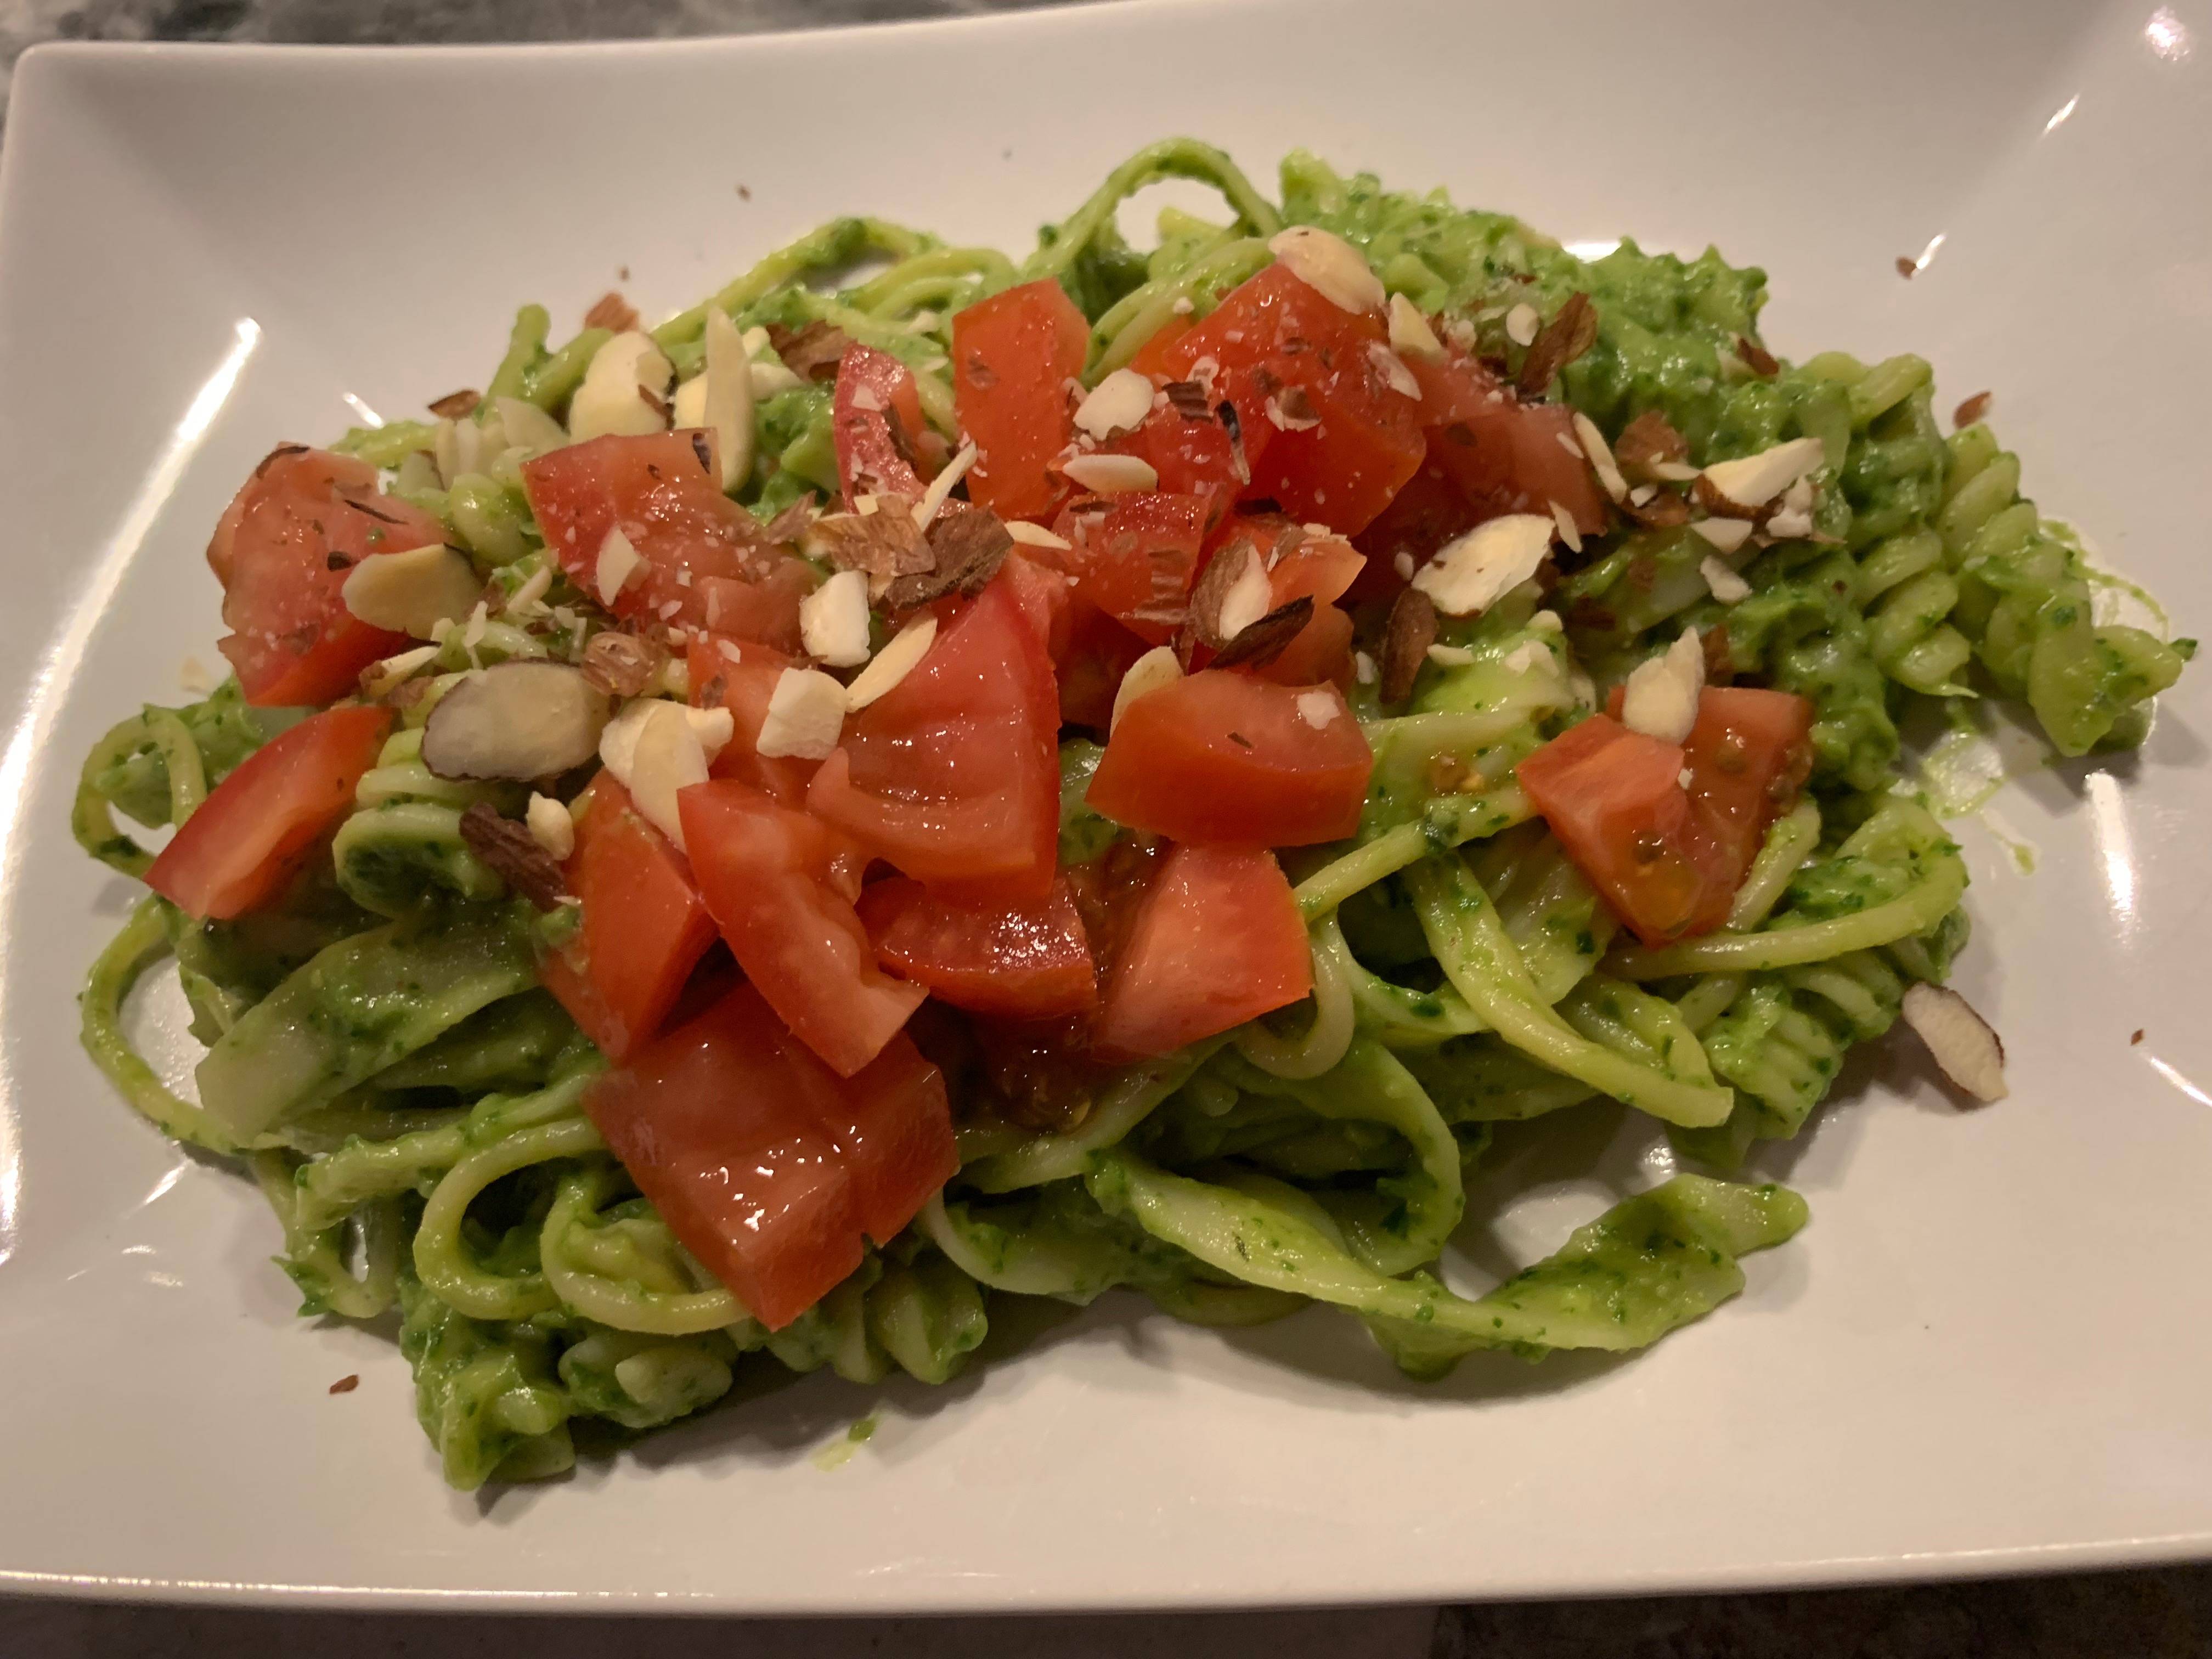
[[411, 1100]]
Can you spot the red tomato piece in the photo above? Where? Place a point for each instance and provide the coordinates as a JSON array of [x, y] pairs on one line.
[[953, 775], [1319, 568], [258, 828], [1747, 754], [1046, 599], [283, 551], [664, 492], [1153, 357], [1024, 961], [1287, 355], [644, 926], [769, 875], [1012, 357], [1219, 757], [892, 1123], [743, 686], [877, 418], [714, 1123], [1099, 652], [1421, 518], [1136, 556], [1192, 457], [1218, 941], [1504, 455], [1615, 798], [764, 609]]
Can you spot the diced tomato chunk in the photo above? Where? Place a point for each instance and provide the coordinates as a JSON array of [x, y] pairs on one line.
[[763, 608], [770, 878], [1421, 518], [1505, 455], [1321, 568], [1046, 597], [1219, 757], [1153, 357], [247, 841], [1012, 357], [1747, 754], [766, 1165], [283, 551], [1024, 961], [953, 775], [1342, 438], [876, 415], [1191, 457], [1615, 800], [1099, 652], [1218, 941], [1135, 556], [664, 492], [743, 686], [643, 929]]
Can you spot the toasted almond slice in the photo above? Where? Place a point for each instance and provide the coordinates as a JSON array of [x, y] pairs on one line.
[[1392, 368], [1726, 534], [665, 759], [833, 620], [726, 404], [1406, 641], [1036, 535], [1969, 1052], [1522, 323], [1410, 333], [1568, 531], [1157, 667], [1660, 700], [528, 427], [1471, 573], [1600, 456], [940, 487], [617, 563], [893, 663], [1721, 577], [805, 715], [519, 720], [1758, 479], [1330, 265], [412, 592], [511, 853], [379, 678], [1117, 404], [551, 827], [608, 401], [1258, 643], [621, 664], [1110, 475], [1363, 668], [1249, 597]]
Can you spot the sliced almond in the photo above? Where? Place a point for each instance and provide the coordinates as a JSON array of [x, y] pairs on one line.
[[1110, 475], [1330, 265], [608, 401], [1571, 332], [1248, 597], [1410, 333], [1260, 641], [412, 592], [881, 543], [1758, 479], [1472, 572], [1569, 533], [1971, 410], [612, 311], [1156, 668], [519, 720], [940, 487], [1406, 642], [1523, 323], [1660, 700], [833, 620], [725, 402], [812, 352], [617, 563], [1962, 1042], [1117, 404], [1720, 576], [455, 404], [1600, 456], [1649, 442], [1726, 534], [893, 663], [664, 757], [551, 826], [805, 715], [1036, 535], [966, 549], [621, 663], [1392, 368]]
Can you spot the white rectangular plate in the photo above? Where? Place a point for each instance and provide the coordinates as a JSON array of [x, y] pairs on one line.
[[1989, 1350]]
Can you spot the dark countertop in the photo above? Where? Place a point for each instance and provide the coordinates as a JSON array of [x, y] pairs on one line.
[[2158, 1614]]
